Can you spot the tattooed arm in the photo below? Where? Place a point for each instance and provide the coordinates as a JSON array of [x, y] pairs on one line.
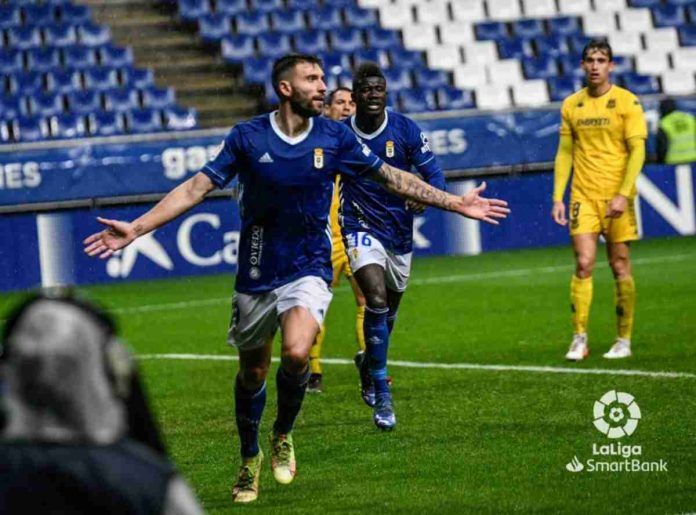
[[410, 187]]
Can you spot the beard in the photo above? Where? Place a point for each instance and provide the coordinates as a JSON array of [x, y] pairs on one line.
[[304, 107]]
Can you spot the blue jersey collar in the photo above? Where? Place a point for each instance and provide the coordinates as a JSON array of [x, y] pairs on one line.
[[288, 139], [379, 130]]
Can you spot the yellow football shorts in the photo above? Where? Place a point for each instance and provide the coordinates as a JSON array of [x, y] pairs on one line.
[[339, 262], [590, 217]]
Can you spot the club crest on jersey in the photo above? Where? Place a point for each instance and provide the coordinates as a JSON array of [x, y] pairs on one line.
[[611, 104], [318, 158], [389, 149]]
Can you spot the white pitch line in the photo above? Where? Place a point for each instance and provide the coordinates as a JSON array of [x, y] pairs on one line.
[[449, 366], [416, 281]]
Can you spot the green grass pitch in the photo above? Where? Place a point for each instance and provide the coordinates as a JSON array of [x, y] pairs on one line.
[[468, 439]]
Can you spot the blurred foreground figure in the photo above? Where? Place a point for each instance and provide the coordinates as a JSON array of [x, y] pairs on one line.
[[77, 433]]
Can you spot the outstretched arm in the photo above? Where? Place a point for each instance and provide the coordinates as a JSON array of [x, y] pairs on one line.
[[119, 234], [410, 187]]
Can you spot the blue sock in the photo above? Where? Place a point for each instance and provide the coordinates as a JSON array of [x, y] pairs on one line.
[[391, 319], [377, 344], [248, 409], [291, 391]]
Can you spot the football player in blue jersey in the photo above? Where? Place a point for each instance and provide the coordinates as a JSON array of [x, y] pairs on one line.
[[285, 162], [378, 227]]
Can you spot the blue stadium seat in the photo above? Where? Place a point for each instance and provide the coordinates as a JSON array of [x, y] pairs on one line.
[[144, 120], [640, 84], [528, 28], [691, 12], [564, 26], [542, 67], [311, 42], [288, 21], [514, 48], [383, 38], [555, 45], [339, 3], [269, 95], [11, 106], [94, 35], [30, 128], [433, 79], [101, 78], [137, 77], [79, 57], [63, 80], [46, 104], [121, 99], [570, 65], [39, 14], [335, 63], [623, 64], [360, 18], [399, 56], [105, 123], [687, 35], [643, 3], [669, 16], [42, 59], [266, 6], [680, 2], [235, 49], [180, 118], [325, 18], [4, 132], [23, 38], [25, 83], [453, 98], [73, 13], [158, 98], [84, 102], [213, 27], [252, 23], [302, 5], [491, 30], [273, 44], [398, 78], [68, 125], [115, 56], [578, 42], [346, 39], [370, 54], [256, 69], [561, 87], [9, 16], [417, 100], [191, 10], [60, 35], [10, 61], [230, 7]]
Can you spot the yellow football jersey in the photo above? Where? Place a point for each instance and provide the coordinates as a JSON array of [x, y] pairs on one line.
[[333, 214], [600, 127]]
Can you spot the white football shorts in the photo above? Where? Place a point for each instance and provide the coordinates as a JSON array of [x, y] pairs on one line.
[[256, 317], [364, 249]]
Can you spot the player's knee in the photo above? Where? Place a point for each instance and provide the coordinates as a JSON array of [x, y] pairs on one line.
[[620, 267], [376, 300], [253, 377], [584, 265], [294, 358]]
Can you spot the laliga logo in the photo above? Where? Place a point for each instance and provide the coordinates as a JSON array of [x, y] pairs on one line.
[[616, 414]]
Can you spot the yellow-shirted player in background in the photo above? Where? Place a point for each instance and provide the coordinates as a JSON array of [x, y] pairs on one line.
[[602, 139], [339, 106]]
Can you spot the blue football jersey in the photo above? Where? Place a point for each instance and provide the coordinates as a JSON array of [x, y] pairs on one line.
[[286, 184], [365, 205]]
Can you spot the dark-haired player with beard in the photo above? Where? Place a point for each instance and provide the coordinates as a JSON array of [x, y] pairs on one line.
[[286, 162], [378, 227]]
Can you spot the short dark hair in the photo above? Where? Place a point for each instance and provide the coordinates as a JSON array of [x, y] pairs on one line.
[[364, 71], [330, 96], [598, 45], [286, 63]]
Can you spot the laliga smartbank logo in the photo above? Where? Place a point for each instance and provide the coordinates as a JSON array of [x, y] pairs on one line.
[[616, 415]]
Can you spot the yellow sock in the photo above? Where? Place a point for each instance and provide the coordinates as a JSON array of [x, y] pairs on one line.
[[625, 306], [359, 334], [581, 299], [315, 351]]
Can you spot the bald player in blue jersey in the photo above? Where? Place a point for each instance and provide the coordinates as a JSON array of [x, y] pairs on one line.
[[378, 227], [286, 162]]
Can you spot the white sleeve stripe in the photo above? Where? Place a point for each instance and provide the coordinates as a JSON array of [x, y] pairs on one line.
[[426, 161]]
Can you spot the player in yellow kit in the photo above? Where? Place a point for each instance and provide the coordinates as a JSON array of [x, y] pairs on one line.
[[339, 106], [602, 139]]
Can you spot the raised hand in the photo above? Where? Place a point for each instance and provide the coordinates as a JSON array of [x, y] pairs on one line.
[[474, 206], [116, 236]]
